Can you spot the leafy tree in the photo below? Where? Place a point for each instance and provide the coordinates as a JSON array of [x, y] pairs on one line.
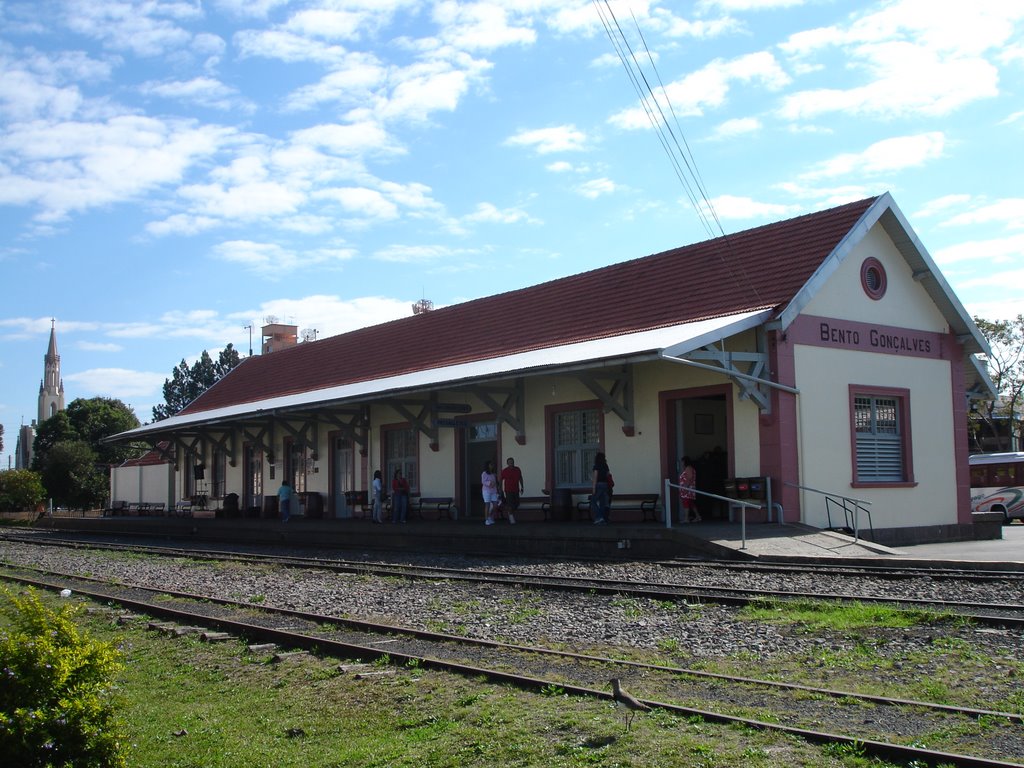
[[1006, 367], [187, 383], [1, 438], [72, 475], [20, 489], [99, 417], [69, 452]]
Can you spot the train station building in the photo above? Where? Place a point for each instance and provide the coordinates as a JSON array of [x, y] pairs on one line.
[[824, 357]]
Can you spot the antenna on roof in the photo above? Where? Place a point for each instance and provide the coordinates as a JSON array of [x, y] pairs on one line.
[[422, 306], [309, 334]]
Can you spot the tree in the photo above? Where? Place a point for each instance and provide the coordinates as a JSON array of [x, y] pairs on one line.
[[72, 475], [1006, 367], [1, 438], [70, 455], [188, 383], [20, 490]]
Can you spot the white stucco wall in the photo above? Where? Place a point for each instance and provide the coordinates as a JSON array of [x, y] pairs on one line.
[[905, 304], [824, 376]]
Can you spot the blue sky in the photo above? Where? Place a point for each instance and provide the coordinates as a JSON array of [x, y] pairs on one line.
[[172, 171]]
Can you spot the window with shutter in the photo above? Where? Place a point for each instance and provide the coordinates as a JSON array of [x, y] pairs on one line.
[[880, 440]]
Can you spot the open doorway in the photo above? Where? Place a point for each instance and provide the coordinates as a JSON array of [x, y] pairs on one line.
[[480, 446], [698, 424]]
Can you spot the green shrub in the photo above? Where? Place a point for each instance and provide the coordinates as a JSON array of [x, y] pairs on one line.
[[56, 704], [20, 490]]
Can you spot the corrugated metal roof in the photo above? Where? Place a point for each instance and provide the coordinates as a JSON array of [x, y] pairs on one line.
[[633, 346]]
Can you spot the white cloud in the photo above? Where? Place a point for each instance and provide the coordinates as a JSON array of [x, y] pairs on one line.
[[288, 47], [882, 157], [143, 27], [1001, 250], [242, 202], [917, 57], [277, 262], [596, 187], [415, 253], [940, 205], [96, 346], [562, 138], [735, 207], [120, 383], [707, 88], [1009, 212], [74, 166], [331, 315], [480, 26], [491, 214], [203, 91], [739, 126], [361, 201]]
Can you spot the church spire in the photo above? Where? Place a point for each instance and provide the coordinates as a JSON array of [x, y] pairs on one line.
[[51, 388]]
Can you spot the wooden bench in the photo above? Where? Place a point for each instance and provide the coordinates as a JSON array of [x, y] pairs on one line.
[[440, 504], [183, 508], [632, 503]]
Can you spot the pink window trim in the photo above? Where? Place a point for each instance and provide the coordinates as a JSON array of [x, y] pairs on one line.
[[873, 264], [906, 445]]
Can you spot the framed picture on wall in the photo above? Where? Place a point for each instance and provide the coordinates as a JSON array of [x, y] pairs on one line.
[[704, 423]]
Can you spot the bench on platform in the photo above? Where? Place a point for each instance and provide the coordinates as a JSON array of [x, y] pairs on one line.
[[529, 506], [359, 500], [641, 504], [183, 508], [440, 504], [117, 508]]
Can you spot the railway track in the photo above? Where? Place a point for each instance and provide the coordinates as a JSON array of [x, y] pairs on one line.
[[997, 614], [819, 715]]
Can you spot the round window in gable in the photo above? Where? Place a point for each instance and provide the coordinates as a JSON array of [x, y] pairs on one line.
[[872, 278]]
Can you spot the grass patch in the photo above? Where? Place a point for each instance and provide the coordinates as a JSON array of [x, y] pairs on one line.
[[818, 615], [189, 704]]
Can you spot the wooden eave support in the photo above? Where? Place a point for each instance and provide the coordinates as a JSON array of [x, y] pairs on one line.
[[615, 391], [508, 404], [306, 436], [424, 419]]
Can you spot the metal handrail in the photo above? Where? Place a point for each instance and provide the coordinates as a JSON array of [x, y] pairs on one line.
[[743, 505], [852, 507]]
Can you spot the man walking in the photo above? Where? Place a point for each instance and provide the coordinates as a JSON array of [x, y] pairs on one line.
[[512, 486]]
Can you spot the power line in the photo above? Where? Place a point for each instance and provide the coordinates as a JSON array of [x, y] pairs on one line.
[[673, 141]]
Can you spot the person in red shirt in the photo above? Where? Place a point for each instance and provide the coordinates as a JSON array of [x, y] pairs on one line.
[[511, 486], [687, 497]]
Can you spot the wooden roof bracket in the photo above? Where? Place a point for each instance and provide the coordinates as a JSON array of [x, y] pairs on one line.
[[189, 449], [259, 438], [614, 388], [301, 437], [425, 420], [356, 429], [508, 404]]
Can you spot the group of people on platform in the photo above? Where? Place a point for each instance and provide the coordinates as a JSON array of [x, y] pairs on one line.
[[501, 493]]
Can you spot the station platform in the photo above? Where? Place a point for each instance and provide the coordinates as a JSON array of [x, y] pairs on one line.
[[714, 540]]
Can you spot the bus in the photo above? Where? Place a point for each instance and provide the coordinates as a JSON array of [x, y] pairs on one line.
[[997, 484]]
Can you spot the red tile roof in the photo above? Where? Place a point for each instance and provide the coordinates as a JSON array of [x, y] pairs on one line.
[[758, 268]]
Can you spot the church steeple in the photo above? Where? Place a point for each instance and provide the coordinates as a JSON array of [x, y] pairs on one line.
[[51, 388]]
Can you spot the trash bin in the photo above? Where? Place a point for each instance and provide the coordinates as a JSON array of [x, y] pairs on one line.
[[270, 508], [561, 504], [312, 503]]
